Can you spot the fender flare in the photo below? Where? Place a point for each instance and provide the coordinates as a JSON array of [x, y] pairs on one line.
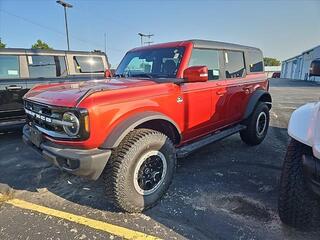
[[254, 99], [303, 126], [122, 129]]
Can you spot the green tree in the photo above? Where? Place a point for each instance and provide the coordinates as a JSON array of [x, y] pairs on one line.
[[2, 45], [40, 45], [271, 61]]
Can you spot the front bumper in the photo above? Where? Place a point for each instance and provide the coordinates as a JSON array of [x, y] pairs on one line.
[[81, 162], [311, 170]]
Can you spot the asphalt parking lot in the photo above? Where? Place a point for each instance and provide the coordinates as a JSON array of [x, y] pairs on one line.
[[226, 190]]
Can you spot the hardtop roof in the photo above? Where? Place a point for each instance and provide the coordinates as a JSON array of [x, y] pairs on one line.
[[46, 51], [198, 43], [220, 45]]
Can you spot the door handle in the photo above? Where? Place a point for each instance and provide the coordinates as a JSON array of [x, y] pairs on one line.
[[13, 87], [221, 92]]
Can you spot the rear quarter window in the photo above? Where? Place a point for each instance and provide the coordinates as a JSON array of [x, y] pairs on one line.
[[88, 64], [9, 67], [254, 60]]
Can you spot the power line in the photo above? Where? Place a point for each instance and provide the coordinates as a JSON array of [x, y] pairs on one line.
[[55, 30], [32, 22]]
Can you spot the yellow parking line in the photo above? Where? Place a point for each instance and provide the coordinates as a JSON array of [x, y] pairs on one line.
[[99, 225]]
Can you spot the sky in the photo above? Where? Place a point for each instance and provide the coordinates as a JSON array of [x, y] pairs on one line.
[[282, 29]]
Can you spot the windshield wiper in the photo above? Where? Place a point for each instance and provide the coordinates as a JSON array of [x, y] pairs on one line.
[[119, 75], [142, 75], [146, 75]]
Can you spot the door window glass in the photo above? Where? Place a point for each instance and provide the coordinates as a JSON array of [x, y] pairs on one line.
[[88, 64], [234, 64], [9, 67], [46, 66], [209, 58]]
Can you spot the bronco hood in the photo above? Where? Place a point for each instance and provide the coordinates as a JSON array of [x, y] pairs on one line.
[[69, 94]]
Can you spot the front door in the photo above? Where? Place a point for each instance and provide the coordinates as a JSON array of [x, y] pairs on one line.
[[205, 101]]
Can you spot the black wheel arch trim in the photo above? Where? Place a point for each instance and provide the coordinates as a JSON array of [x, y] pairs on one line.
[[255, 98], [122, 129]]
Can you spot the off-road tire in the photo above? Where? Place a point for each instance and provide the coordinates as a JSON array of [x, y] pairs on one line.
[[297, 205], [250, 135], [119, 172]]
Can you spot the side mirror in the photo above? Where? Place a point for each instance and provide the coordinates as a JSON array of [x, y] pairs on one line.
[[107, 73], [315, 68], [196, 74]]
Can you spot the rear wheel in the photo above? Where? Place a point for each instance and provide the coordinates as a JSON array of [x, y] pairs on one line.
[[297, 205], [257, 125], [140, 170]]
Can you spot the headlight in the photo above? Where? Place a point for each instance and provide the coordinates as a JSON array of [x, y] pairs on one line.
[[72, 126]]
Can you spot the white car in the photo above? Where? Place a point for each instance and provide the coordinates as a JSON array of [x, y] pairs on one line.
[[300, 180]]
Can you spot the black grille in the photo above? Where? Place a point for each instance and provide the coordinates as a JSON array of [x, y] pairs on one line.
[[44, 110], [37, 108]]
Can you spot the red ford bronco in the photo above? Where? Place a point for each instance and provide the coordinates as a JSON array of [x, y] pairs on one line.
[[163, 102]]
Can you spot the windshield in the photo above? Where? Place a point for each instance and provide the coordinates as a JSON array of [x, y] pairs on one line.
[[151, 63]]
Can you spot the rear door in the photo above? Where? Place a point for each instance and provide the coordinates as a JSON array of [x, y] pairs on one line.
[[12, 88], [238, 89]]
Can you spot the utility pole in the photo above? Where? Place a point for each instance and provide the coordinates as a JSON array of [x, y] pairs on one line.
[[65, 6], [142, 35]]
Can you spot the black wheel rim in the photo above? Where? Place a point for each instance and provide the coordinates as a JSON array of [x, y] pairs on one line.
[[150, 172]]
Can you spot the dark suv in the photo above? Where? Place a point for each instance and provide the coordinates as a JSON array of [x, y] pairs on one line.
[[21, 69]]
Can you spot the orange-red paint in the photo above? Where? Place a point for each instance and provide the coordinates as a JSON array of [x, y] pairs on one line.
[[206, 106]]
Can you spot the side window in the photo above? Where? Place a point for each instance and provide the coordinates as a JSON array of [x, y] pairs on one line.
[[9, 66], [46, 66], [234, 64], [88, 64], [209, 58], [63, 67], [254, 60]]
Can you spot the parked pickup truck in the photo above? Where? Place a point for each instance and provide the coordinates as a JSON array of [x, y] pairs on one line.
[[22, 69], [164, 102]]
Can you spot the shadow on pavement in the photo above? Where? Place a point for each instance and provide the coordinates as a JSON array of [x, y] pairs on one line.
[[225, 190]]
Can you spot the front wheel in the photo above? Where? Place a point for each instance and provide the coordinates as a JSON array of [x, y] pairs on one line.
[[257, 125], [140, 170]]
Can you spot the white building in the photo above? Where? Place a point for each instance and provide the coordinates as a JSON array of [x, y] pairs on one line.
[[269, 70], [298, 67]]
